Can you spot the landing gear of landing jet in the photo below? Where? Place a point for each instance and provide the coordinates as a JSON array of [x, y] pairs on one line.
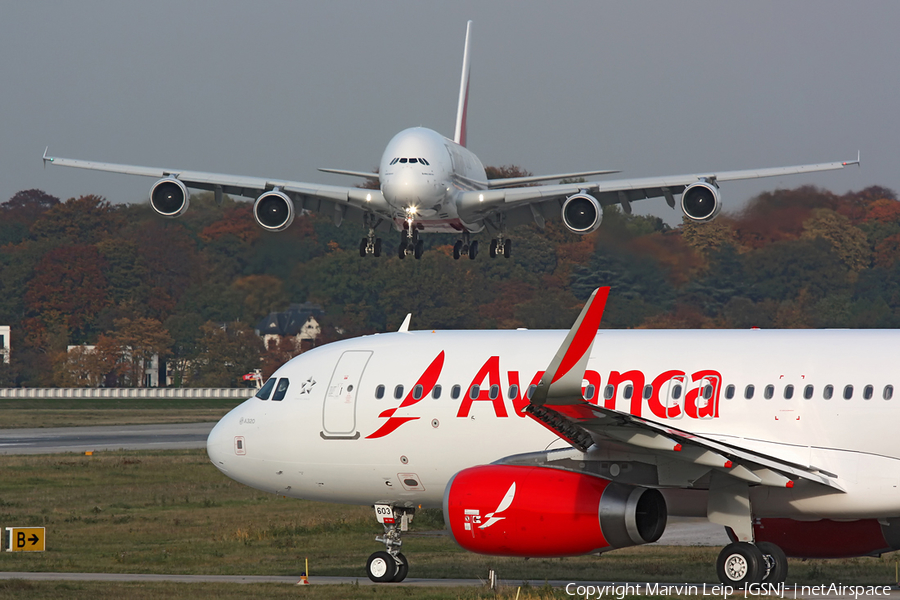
[[743, 563], [390, 564], [411, 244], [370, 246], [501, 246], [464, 248]]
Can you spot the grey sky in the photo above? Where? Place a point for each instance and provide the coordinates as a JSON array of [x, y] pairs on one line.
[[278, 89]]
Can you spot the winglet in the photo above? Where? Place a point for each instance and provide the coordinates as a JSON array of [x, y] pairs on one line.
[[46, 158], [566, 371], [856, 162], [404, 328], [463, 109]]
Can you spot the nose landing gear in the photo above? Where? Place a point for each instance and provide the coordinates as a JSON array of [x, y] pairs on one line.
[[390, 565]]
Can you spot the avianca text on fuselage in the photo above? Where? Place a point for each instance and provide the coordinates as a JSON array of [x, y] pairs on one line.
[[672, 394]]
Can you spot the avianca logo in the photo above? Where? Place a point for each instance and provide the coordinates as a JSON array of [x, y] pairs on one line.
[[672, 394], [473, 515]]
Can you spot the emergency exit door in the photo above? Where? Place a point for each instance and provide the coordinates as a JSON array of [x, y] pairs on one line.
[[339, 411]]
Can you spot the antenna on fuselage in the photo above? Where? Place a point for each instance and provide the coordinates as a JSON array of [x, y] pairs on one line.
[[461, 112], [405, 327]]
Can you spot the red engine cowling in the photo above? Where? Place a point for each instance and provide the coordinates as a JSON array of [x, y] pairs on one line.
[[541, 512], [829, 539]]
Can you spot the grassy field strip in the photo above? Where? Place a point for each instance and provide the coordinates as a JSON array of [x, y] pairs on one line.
[[172, 512], [47, 418]]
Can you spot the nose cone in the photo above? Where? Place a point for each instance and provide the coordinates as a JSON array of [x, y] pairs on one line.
[[220, 444]]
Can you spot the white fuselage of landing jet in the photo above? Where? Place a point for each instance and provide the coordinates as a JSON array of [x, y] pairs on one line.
[[351, 425], [421, 172]]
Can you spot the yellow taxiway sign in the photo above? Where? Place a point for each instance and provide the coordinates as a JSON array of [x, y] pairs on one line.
[[25, 539]]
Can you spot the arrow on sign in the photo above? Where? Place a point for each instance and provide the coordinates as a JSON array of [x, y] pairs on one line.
[[34, 539]]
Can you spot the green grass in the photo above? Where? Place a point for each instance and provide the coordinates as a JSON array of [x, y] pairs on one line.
[[76, 412], [173, 512]]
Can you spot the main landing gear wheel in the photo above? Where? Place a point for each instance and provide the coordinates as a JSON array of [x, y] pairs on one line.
[[370, 245], [381, 567], [775, 562], [501, 246], [740, 563], [402, 568], [473, 250], [457, 249]]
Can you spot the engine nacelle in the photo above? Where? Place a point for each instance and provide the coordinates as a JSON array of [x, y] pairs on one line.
[[506, 510], [581, 213], [829, 539], [169, 197], [700, 201], [274, 210]]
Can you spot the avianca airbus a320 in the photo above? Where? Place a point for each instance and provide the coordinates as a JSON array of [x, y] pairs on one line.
[[428, 183], [784, 437]]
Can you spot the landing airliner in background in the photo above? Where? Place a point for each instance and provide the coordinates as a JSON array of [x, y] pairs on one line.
[[428, 183], [787, 438]]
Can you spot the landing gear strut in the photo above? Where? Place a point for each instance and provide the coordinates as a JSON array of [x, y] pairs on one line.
[[370, 244], [410, 242], [465, 248], [390, 564]]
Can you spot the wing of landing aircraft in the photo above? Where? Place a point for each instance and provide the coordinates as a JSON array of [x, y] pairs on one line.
[[342, 201], [557, 403], [524, 204]]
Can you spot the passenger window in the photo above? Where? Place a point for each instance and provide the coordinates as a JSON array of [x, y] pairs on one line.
[[531, 390], [264, 391], [888, 392], [454, 391], [398, 392], [868, 392], [436, 392], [748, 392], [828, 392], [769, 392], [729, 392], [848, 392], [608, 392], [281, 388], [513, 391], [379, 392], [676, 392], [628, 391], [648, 391], [418, 392], [494, 391], [589, 392], [707, 392], [808, 392], [473, 393], [788, 392]]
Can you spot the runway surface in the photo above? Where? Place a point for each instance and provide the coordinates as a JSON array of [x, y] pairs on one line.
[[123, 437]]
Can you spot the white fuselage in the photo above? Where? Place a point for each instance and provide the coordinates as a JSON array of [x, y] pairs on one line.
[[332, 438], [425, 190]]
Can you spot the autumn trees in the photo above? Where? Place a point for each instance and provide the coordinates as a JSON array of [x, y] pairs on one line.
[[85, 272]]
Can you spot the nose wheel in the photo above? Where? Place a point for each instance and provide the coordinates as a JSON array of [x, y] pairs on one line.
[[410, 244], [390, 565]]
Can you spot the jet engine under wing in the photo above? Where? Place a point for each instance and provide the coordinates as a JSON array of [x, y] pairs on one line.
[[309, 196], [558, 405], [479, 203]]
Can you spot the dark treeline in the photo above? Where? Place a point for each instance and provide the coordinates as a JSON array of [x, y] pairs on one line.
[[132, 284]]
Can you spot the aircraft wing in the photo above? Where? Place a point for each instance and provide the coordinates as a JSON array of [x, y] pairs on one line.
[[481, 203], [310, 196], [557, 404]]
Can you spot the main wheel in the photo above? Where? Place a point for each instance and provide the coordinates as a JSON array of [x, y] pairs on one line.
[[775, 562], [739, 564], [473, 250], [402, 568], [420, 248], [507, 248], [457, 249], [377, 252], [381, 567], [362, 247]]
